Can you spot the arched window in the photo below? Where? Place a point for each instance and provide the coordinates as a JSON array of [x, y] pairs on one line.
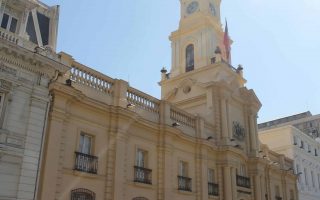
[[139, 198], [189, 58], [82, 194]]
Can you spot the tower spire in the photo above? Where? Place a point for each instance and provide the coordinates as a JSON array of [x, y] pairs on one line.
[[226, 42]]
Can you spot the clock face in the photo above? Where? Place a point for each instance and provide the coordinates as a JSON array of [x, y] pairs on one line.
[[192, 7], [212, 9]]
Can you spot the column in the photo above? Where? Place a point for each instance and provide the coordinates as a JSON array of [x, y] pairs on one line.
[[257, 186], [227, 183], [120, 166], [234, 183], [2, 7], [224, 121], [253, 136]]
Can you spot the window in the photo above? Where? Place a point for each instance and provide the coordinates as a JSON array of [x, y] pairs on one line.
[[184, 182], [183, 168], [213, 188], [242, 170], [82, 194], [211, 176], [309, 148], [295, 140], [84, 161], [141, 158], [302, 145], [31, 30], [9, 23], [141, 173], [189, 58], [85, 144], [44, 23]]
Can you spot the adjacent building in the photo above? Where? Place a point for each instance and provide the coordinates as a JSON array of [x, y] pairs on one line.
[[28, 63], [107, 140], [297, 137]]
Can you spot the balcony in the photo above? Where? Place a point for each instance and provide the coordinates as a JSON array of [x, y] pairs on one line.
[[6, 35], [142, 175], [243, 181], [184, 183], [86, 163], [278, 198], [213, 189]]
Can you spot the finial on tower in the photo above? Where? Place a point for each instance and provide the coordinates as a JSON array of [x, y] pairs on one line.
[[226, 42]]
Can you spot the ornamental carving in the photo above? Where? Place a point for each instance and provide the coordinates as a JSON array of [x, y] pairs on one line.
[[7, 70], [238, 131], [5, 85]]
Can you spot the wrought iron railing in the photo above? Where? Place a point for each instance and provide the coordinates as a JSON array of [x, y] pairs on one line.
[[278, 198], [82, 194], [142, 175], [184, 183], [243, 181], [213, 189], [86, 163]]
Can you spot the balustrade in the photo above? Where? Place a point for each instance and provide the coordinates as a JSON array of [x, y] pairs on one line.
[[11, 37], [182, 117], [142, 100], [91, 78]]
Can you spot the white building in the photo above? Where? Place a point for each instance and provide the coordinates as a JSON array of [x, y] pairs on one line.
[[296, 137], [28, 63]]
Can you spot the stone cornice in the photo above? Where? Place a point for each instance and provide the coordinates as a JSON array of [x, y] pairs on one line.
[[31, 61]]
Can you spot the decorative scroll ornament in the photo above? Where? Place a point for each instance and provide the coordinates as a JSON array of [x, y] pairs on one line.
[[238, 131], [5, 85]]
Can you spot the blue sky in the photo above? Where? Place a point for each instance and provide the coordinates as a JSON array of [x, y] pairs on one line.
[[276, 41]]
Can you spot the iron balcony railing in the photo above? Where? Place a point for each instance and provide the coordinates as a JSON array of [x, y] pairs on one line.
[[213, 189], [184, 183], [142, 175], [243, 181], [86, 163], [278, 198]]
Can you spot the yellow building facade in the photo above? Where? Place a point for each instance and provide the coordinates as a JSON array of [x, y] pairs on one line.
[[107, 140]]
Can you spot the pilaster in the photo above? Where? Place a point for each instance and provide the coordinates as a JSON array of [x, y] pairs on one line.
[[120, 88], [227, 183], [32, 148]]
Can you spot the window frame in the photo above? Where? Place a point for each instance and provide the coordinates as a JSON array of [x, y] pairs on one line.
[[143, 160], [9, 23], [211, 175], [183, 168], [82, 191], [80, 145], [190, 51]]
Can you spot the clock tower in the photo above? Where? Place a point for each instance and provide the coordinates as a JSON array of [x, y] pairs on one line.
[[203, 82], [199, 34]]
